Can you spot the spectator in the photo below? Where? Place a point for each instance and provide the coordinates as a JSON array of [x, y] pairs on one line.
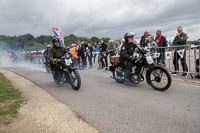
[[180, 40], [152, 44], [38, 56], [47, 61], [161, 42], [80, 55], [85, 46], [100, 59], [111, 49], [89, 54], [104, 48], [144, 39], [74, 54], [96, 50], [121, 41]]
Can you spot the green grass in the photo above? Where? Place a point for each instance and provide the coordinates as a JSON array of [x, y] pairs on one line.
[[10, 100]]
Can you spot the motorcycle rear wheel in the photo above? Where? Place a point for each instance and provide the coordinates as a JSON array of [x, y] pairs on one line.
[[118, 75]]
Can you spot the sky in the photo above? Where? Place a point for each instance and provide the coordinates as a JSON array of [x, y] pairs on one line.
[[101, 18]]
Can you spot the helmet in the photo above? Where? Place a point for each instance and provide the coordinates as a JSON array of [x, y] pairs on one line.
[[48, 46], [55, 39], [128, 34]]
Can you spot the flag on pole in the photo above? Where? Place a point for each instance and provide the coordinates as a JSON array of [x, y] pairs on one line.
[[57, 31], [168, 55], [181, 53]]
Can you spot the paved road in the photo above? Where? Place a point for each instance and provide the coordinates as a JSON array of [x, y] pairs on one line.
[[120, 108]]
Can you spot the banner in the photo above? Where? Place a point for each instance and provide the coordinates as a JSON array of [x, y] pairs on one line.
[[168, 55], [156, 55], [57, 31], [181, 53]]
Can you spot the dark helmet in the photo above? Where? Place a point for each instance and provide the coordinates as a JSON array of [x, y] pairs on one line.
[[55, 39], [129, 34]]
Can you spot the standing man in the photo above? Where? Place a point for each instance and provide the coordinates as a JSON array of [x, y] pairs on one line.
[[180, 40], [161, 42], [144, 39], [96, 50], [111, 49], [85, 45], [121, 42], [81, 55], [104, 48], [45, 54], [72, 50], [90, 55]]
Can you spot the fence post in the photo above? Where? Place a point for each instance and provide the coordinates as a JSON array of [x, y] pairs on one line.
[[199, 61]]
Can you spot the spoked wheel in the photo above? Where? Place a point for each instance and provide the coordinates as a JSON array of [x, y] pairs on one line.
[[159, 79], [118, 74], [75, 80]]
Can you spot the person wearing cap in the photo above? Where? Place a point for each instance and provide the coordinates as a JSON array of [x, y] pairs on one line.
[[126, 55]]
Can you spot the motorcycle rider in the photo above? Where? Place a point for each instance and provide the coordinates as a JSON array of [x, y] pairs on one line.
[[126, 56], [55, 53]]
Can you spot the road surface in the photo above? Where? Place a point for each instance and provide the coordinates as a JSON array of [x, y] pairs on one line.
[[121, 108]]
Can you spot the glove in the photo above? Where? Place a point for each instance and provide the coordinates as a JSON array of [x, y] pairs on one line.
[[55, 60], [133, 58]]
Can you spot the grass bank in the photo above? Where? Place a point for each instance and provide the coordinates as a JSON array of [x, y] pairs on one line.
[[10, 100]]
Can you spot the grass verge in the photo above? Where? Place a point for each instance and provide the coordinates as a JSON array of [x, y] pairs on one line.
[[10, 100]]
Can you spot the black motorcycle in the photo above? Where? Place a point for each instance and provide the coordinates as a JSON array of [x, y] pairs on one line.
[[156, 76], [69, 74]]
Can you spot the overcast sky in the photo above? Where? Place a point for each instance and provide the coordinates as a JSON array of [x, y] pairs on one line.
[[101, 18]]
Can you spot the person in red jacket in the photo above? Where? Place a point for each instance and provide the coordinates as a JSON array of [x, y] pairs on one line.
[[161, 42]]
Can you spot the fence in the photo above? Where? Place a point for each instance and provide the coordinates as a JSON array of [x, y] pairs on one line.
[[187, 53]]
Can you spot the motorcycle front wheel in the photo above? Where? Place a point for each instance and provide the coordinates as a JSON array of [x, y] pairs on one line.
[[75, 80], [159, 78]]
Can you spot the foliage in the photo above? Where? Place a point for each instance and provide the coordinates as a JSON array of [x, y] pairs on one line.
[[29, 42]]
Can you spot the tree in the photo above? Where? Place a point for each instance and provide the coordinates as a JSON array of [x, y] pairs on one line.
[[28, 37], [71, 38], [94, 39], [105, 39], [43, 39]]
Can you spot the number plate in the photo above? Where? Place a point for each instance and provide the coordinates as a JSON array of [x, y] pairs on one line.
[[68, 62], [149, 59]]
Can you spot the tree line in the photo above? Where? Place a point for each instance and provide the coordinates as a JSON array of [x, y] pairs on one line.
[[29, 42]]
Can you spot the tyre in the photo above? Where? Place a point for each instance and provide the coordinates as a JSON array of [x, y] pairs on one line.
[[75, 80], [118, 75], [159, 78]]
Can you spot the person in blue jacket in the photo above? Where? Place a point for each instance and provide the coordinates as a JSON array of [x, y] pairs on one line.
[[152, 44], [96, 50]]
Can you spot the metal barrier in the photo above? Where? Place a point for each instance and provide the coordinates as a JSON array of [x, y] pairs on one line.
[[192, 53]]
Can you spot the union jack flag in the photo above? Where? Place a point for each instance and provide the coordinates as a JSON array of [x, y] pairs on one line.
[[57, 31]]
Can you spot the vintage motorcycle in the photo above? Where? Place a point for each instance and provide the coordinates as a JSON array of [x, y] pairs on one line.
[[69, 74], [156, 76]]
